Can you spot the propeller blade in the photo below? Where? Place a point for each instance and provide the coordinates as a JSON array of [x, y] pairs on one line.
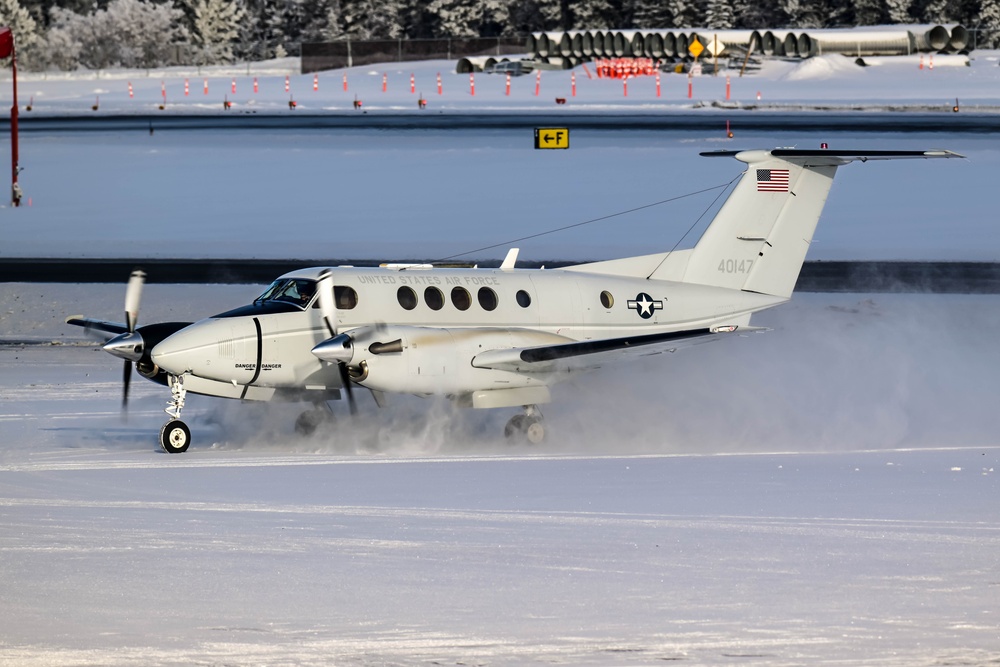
[[133, 294], [328, 307], [327, 301], [345, 378], [126, 380]]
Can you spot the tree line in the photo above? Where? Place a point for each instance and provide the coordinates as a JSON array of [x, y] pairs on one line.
[[98, 34]]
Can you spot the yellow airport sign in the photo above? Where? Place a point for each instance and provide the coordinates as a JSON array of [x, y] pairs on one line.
[[551, 137], [695, 48]]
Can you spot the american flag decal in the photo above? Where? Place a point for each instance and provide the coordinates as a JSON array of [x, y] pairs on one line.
[[772, 180]]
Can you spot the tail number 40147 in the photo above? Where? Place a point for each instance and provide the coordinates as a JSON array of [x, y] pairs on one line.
[[735, 265]]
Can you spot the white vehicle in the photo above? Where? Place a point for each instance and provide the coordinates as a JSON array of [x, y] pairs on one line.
[[492, 338]]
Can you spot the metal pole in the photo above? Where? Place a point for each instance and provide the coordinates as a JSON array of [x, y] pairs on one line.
[[15, 189]]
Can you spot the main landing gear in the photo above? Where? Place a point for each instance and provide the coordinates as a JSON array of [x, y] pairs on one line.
[[528, 427], [307, 422], [175, 436]]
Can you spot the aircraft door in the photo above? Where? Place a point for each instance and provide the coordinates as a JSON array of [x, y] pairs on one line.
[[557, 300]]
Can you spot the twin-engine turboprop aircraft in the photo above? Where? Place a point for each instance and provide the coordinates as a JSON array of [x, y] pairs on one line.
[[492, 338]]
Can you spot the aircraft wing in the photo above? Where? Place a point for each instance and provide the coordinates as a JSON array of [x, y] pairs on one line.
[[592, 354]]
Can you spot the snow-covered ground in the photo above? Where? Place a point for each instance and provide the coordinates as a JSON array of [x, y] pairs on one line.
[[820, 81], [824, 493], [821, 494]]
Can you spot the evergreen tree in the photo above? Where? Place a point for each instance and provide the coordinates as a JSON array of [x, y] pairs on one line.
[[719, 14], [469, 18], [22, 25], [989, 13], [899, 11], [869, 12], [215, 28]]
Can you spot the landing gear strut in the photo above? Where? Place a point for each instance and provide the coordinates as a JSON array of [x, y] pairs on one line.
[[528, 427], [175, 436]]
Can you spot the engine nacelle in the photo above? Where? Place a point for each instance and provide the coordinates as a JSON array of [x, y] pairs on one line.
[[425, 360]]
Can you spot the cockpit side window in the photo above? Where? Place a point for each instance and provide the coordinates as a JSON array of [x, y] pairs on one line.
[[297, 291]]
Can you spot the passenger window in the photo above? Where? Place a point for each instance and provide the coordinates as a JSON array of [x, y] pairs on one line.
[[407, 297], [523, 298], [607, 300], [345, 297], [461, 298], [487, 298], [434, 298]]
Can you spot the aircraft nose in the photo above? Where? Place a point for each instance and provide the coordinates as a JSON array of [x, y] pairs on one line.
[[188, 350]]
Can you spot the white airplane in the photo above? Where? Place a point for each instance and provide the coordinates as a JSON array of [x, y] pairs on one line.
[[491, 338]]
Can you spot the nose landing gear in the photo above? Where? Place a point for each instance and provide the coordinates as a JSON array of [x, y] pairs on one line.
[[175, 436], [529, 427]]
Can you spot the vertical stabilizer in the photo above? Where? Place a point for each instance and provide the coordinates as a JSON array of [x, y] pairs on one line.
[[758, 240]]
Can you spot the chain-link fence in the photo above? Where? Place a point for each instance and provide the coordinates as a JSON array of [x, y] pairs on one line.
[[350, 53]]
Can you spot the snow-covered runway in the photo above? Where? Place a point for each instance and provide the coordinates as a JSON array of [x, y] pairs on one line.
[[824, 493]]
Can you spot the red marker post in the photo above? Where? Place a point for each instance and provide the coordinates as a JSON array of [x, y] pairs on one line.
[[254, 86], [572, 84], [508, 84], [7, 49], [690, 86], [472, 83], [727, 87], [657, 83], [287, 84], [385, 82], [345, 82], [413, 83], [206, 86], [187, 88], [234, 85], [315, 82], [440, 89], [538, 82]]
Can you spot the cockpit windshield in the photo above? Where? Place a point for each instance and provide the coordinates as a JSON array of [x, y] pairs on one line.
[[296, 291]]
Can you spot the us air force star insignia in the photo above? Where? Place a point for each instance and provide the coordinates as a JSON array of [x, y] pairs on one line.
[[644, 305]]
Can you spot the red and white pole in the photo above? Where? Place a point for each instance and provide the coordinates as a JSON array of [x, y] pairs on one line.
[[440, 89], [572, 84], [385, 82], [315, 82], [234, 84], [538, 82], [657, 83], [206, 86], [472, 83], [690, 86], [7, 49], [254, 85], [508, 84], [130, 90], [727, 87], [625, 86], [413, 83], [345, 82], [287, 84], [931, 65], [187, 88]]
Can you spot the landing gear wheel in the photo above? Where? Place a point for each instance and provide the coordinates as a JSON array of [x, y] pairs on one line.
[[175, 437], [534, 430], [525, 428], [307, 422], [514, 430]]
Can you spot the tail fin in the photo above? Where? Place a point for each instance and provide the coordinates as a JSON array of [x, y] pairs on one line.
[[758, 240]]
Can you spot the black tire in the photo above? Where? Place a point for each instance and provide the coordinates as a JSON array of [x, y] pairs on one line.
[[514, 430], [175, 437], [307, 422]]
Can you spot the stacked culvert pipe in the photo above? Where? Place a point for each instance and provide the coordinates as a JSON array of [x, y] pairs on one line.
[[583, 45]]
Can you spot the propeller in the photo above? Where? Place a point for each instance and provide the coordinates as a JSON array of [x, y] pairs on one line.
[[133, 295], [328, 307]]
